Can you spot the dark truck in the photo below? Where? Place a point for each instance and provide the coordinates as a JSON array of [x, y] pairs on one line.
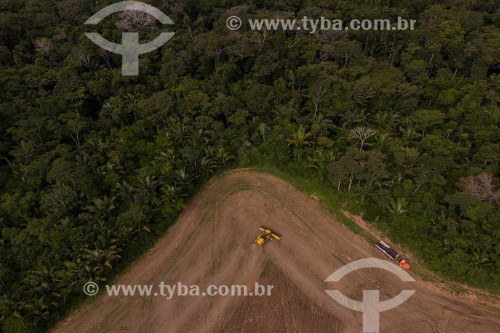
[[382, 246]]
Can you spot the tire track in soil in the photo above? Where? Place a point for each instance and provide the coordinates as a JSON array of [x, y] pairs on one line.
[[227, 213]]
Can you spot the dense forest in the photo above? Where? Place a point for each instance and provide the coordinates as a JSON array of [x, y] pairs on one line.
[[94, 166]]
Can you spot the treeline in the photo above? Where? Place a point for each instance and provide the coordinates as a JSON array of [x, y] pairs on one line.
[[95, 166]]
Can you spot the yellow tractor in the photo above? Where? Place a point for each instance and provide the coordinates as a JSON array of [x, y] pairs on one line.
[[267, 234]]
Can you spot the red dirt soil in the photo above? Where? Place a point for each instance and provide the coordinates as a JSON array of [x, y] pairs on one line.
[[212, 243]]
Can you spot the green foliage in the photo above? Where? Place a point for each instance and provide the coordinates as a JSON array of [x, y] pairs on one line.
[[15, 325], [94, 166]]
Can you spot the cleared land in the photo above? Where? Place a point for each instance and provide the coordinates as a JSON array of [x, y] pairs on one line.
[[212, 243]]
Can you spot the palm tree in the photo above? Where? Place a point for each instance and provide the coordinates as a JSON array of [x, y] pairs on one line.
[[382, 140], [168, 156], [223, 157], [102, 207], [173, 193], [132, 104], [183, 177], [321, 159], [262, 128], [124, 190], [39, 290], [322, 124], [409, 133], [353, 117], [98, 259], [178, 130], [397, 207], [299, 139], [411, 156], [207, 166], [386, 120], [148, 183]]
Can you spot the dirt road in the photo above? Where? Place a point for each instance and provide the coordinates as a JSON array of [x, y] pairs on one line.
[[212, 243]]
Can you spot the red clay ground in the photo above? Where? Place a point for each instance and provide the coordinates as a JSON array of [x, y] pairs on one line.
[[212, 243]]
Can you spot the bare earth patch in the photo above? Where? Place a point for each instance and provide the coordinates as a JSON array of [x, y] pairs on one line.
[[212, 243]]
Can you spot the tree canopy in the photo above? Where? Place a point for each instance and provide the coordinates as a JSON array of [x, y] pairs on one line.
[[95, 166]]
